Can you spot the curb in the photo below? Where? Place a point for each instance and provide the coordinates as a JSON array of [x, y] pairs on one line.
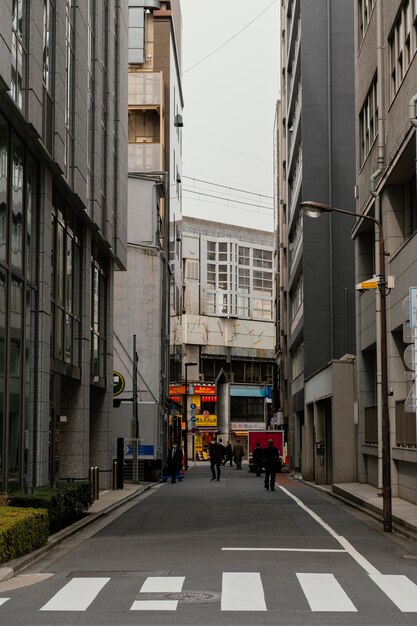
[[10, 568]]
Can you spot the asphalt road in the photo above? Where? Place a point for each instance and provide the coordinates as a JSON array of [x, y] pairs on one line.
[[203, 552]]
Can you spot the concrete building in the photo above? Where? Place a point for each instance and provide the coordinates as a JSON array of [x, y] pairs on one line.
[[226, 331], [63, 149], [142, 294], [386, 127], [315, 160]]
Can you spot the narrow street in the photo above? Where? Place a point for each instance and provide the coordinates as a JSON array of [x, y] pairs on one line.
[[228, 552]]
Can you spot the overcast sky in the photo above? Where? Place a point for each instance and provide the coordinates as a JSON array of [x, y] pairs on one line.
[[229, 110]]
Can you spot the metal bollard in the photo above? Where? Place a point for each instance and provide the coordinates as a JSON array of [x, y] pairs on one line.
[[97, 482], [115, 476], [91, 481]]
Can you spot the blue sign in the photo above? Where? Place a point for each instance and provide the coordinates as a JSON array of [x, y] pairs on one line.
[[143, 450], [413, 307]]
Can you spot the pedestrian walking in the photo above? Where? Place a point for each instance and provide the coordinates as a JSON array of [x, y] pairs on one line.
[[216, 451], [257, 456], [228, 455], [238, 454], [271, 462], [174, 461]]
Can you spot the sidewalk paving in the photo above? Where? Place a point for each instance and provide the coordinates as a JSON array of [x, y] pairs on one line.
[[366, 497]]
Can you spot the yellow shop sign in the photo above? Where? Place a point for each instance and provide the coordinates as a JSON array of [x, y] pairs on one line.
[[206, 420]]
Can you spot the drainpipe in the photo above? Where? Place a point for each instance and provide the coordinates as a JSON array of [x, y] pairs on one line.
[[378, 269], [378, 216]]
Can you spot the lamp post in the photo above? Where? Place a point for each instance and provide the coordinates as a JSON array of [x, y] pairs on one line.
[[315, 209], [186, 366]]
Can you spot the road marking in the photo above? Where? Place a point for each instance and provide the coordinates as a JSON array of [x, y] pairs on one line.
[[77, 595], [162, 584], [324, 593], [400, 590], [3, 600], [154, 605], [283, 550], [364, 563], [242, 591]]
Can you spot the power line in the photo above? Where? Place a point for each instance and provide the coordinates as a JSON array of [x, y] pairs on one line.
[[215, 204], [207, 182], [230, 38], [209, 195], [208, 145], [228, 183]]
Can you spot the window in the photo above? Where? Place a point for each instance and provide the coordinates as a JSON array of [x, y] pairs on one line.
[[297, 297], [368, 121], [365, 9], [297, 361], [98, 315], [91, 87], [66, 284], [48, 12], [402, 43], [69, 85], [239, 280], [19, 52]]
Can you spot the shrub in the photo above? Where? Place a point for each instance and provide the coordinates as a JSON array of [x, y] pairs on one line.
[[21, 531], [65, 504]]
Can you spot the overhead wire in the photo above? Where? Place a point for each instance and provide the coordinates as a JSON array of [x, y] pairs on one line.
[[230, 38], [209, 195], [206, 182], [208, 145]]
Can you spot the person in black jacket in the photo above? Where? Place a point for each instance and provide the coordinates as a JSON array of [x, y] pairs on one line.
[[174, 461], [257, 456], [216, 451], [271, 462]]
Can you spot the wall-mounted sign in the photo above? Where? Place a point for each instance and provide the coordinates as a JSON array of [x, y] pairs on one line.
[[118, 383], [247, 426], [206, 420], [176, 390], [209, 390]]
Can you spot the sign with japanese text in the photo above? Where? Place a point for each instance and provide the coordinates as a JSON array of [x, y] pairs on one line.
[[206, 420], [209, 390], [176, 390]]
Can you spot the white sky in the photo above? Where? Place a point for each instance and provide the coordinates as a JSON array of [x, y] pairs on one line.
[[229, 110]]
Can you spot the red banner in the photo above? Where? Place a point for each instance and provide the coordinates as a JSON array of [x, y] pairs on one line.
[[176, 390], [209, 390]]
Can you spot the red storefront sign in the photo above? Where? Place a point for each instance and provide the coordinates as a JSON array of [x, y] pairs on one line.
[[176, 390], [200, 390]]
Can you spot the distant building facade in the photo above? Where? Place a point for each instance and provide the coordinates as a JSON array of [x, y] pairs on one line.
[[315, 160], [63, 150], [225, 331], [142, 294]]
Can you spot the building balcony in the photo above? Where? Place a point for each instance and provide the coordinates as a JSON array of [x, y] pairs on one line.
[[145, 157], [145, 89]]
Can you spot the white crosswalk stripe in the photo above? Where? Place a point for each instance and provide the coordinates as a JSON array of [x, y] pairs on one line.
[[241, 592], [77, 595], [399, 589], [324, 593]]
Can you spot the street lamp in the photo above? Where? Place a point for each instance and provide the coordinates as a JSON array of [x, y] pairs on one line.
[[315, 209], [186, 366]]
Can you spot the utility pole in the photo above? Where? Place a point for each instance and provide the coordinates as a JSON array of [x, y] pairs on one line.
[[135, 409]]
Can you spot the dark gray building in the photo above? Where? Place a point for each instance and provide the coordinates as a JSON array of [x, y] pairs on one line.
[[63, 162], [316, 140]]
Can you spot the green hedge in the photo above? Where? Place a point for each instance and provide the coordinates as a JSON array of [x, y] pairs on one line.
[[65, 503], [21, 531]]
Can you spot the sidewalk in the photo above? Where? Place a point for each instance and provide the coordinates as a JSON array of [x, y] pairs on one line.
[[365, 497], [107, 502]]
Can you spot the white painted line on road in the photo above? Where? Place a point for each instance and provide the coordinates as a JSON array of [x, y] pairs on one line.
[[3, 600], [324, 593], [283, 550], [242, 591], [154, 605], [77, 595], [400, 590], [162, 584], [364, 563]]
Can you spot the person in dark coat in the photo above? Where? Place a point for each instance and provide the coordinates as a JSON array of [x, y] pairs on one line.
[[271, 462], [257, 456], [174, 461], [238, 453], [216, 451], [228, 455]]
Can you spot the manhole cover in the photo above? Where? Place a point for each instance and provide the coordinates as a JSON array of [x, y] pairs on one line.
[[193, 596]]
